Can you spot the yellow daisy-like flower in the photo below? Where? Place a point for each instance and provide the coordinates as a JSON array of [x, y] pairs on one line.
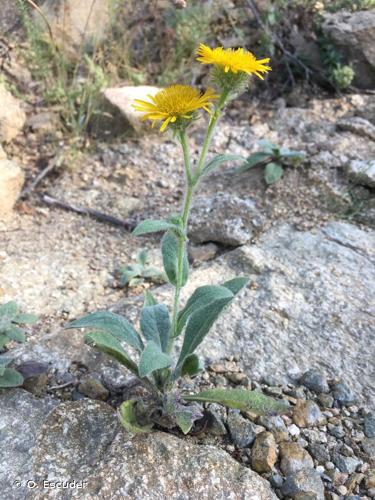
[[175, 103], [234, 60]]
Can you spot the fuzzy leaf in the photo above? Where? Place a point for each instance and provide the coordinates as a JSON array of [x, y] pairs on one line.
[[152, 359], [202, 319], [269, 147], [156, 325], [241, 399], [290, 154], [4, 362], [273, 173], [128, 418], [10, 378], [149, 299], [169, 249], [201, 298], [142, 257], [191, 366], [15, 333], [113, 323], [154, 226], [4, 340], [205, 295], [8, 311], [253, 160], [218, 160], [25, 319], [105, 342]]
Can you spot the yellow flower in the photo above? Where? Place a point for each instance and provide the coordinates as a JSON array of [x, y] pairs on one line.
[[234, 60], [175, 104]]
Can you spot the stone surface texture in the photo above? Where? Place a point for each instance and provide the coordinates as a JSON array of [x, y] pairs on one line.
[[11, 182], [12, 116]]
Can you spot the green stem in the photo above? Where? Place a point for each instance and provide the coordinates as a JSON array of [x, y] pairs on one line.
[[191, 183]]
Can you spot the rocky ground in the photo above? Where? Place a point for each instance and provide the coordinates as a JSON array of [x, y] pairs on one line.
[[302, 330]]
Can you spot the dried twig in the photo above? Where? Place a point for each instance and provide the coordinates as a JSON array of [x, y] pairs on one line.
[[52, 164], [42, 15], [128, 224]]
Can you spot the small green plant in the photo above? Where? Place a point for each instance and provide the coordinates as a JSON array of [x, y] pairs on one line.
[[135, 274], [340, 74], [11, 320], [176, 107], [274, 159]]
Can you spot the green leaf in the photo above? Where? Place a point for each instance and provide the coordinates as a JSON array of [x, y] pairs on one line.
[[113, 323], [169, 249], [143, 257], [218, 160], [25, 319], [8, 311], [15, 333], [105, 342], [152, 359], [241, 399], [149, 299], [184, 421], [4, 340], [253, 160], [128, 418], [4, 362], [273, 173], [201, 320], [10, 378], [235, 285], [205, 295], [201, 298], [127, 273], [155, 226], [269, 147], [156, 325], [191, 366]]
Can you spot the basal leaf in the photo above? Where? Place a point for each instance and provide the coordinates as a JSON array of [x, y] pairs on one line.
[[205, 295], [169, 249], [269, 147], [218, 160], [156, 325], [113, 323], [105, 342], [152, 359], [10, 378], [273, 173], [191, 366], [253, 160], [4, 340], [128, 418], [201, 311], [201, 298], [241, 399], [155, 226]]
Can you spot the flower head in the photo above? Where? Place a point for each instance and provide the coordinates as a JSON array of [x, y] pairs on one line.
[[233, 60], [175, 104]]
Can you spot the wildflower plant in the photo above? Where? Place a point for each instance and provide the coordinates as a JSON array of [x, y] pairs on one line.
[[135, 274], [274, 158], [175, 108]]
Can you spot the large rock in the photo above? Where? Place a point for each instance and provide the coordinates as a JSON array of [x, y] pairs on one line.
[[354, 35], [118, 104], [21, 417], [224, 218], [83, 441], [12, 116], [76, 25], [11, 182]]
